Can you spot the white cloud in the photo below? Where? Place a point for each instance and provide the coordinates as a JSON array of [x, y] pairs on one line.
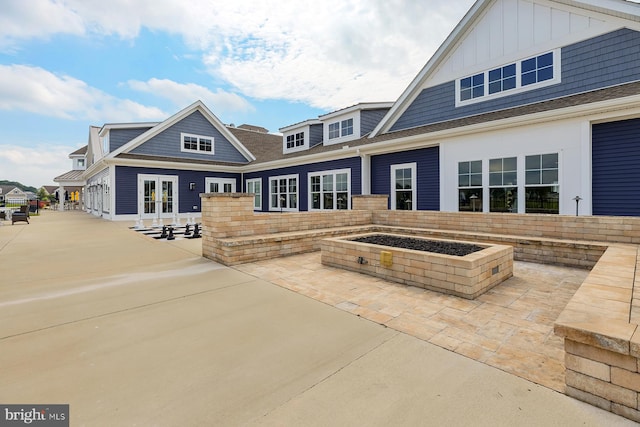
[[36, 165], [39, 91], [36, 19], [182, 95], [328, 54]]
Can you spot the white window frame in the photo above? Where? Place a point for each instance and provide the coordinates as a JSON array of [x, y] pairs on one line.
[[198, 138], [257, 198], [414, 184], [355, 133], [333, 173], [286, 208], [158, 195], [305, 135], [221, 182], [557, 76]]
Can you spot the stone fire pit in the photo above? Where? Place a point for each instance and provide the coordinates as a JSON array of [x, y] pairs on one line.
[[475, 269]]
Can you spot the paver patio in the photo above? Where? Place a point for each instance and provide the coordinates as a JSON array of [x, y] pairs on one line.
[[510, 327]]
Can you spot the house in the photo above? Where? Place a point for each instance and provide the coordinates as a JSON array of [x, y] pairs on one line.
[[10, 195], [529, 106]]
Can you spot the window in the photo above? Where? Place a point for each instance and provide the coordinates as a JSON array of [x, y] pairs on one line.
[[470, 186], [472, 87], [403, 184], [347, 127], [519, 76], [340, 129], [330, 190], [295, 140], [283, 193], [537, 69], [196, 144], [503, 185], [254, 186], [541, 184], [80, 163], [502, 79], [334, 130], [220, 185]]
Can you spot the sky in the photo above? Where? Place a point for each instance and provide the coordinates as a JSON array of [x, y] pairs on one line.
[[68, 64]]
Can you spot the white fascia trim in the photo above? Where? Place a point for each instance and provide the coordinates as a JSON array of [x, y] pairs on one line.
[[345, 153], [300, 125], [173, 165], [413, 89], [617, 8], [600, 110], [108, 126], [196, 106], [358, 107]]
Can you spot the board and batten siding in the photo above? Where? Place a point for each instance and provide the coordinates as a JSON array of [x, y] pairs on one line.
[[427, 169], [302, 171], [616, 168], [607, 60], [126, 187], [168, 143]]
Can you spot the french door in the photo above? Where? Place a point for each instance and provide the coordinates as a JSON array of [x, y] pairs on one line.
[[157, 196]]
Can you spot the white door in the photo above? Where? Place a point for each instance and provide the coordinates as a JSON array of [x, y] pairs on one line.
[[157, 196], [220, 185]]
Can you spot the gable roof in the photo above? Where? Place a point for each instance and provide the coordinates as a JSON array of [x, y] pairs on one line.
[[157, 129], [615, 9]]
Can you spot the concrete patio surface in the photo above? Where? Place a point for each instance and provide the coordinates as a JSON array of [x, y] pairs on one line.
[[129, 330]]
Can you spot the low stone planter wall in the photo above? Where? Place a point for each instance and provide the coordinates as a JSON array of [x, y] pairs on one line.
[[465, 276], [601, 335]]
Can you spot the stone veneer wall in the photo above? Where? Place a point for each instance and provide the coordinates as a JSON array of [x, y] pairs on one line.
[[602, 353], [576, 228]]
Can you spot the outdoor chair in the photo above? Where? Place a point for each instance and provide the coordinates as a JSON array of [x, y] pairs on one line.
[[20, 215]]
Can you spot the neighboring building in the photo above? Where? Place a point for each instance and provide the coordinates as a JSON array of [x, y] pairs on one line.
[[13, 196], [525, 107], [71, 184]]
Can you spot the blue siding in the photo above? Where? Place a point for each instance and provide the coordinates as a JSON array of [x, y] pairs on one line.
[[316, 135], [616, 168], [607, 60], [168, 143], [352, 163], [369, 119], [127, 187], [428, 175], [119, 137]]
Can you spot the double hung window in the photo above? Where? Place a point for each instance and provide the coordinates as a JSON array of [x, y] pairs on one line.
[[403, 187], [470, 186], [254, 186], [503, 185], [541, 184]]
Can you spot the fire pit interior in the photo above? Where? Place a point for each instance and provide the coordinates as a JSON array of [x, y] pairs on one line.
[[465, 269]]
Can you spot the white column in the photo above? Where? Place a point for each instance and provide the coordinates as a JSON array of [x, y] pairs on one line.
[[61, 197], [365, 176]]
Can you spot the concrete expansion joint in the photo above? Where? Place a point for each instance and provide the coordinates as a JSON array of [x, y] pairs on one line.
[[334, 373]]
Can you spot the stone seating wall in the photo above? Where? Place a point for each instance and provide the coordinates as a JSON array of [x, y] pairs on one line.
[[602, 348]]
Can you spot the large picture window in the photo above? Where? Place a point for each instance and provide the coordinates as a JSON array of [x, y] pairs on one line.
[[470, 186], [541, 184], [403, 185], [503, 185], [330, 190], [283, 193]]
